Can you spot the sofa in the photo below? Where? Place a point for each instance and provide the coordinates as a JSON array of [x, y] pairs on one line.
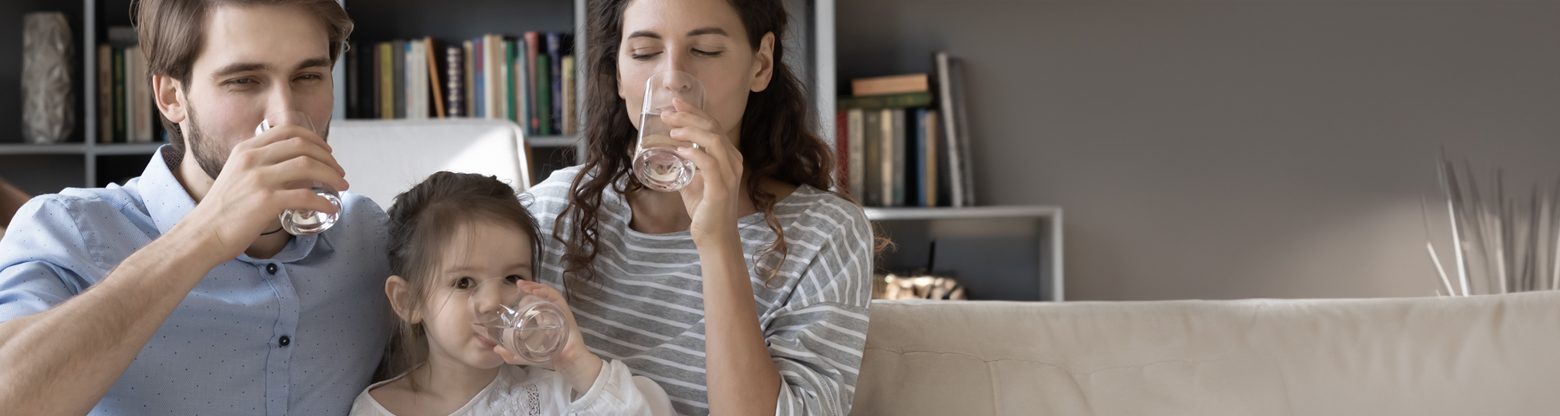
[[1481, 355]]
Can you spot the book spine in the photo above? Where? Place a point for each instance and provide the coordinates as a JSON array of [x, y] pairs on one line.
[[858, 149], [119, 95], [434, 85], [386, 92], [105, 93], [544, 94], [455, 102], [873, 102], [569, 98], [399, 85], [872, 130], [555, 50], [533, 45]]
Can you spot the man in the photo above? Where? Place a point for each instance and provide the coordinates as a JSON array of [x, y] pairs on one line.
[[177, 293], [11, 199]]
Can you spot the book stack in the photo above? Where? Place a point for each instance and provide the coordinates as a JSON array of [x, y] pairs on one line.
[[126, 112], [902, 145], [527, 79]]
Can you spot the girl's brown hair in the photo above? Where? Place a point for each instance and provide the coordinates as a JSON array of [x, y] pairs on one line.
[[778, 140], [423, 221]]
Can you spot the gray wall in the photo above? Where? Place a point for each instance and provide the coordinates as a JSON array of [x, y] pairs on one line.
[[1234, 149]]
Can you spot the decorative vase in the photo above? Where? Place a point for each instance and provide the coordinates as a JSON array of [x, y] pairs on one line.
[[48, 114]]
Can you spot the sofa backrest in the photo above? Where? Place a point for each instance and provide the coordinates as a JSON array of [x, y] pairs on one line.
[[386, 157], [1487, 355]]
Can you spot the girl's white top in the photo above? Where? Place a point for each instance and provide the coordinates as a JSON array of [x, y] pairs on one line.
[[526, 391]]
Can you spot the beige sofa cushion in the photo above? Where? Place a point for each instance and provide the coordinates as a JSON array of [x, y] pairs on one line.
[[1494, 355]]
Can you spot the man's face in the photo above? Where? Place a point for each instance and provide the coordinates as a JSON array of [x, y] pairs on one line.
[[257, 60]]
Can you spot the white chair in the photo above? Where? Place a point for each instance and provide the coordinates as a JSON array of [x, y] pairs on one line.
[[386, 157]]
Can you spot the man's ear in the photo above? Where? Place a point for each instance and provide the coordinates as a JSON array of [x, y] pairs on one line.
[[399, 293], [170, 98], [764, 63]]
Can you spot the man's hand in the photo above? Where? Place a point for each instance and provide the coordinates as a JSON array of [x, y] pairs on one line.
[[263, 176]]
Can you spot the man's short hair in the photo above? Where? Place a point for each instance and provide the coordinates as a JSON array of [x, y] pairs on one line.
[[172, 33]]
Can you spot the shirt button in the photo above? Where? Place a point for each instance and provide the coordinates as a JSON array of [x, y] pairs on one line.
[[270, 268], [284, 341]]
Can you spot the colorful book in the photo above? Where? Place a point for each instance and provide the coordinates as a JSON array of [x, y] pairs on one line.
[[856, 118], [105, 91], [533, 45], [544, 95], [875, 102], [895, 84], [386, 98], [454, 78], [434, 85], [569, 98]]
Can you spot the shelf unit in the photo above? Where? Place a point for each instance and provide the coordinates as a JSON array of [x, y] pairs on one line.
[[811, 45], [997, 253]]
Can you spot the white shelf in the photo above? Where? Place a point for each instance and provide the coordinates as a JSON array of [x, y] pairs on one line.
[[896, 214], [42, 149], [126, 149], [1042, 225], [553, 141]]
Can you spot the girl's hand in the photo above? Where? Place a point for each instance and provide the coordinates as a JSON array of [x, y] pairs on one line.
[[576, 363], [712, 198]]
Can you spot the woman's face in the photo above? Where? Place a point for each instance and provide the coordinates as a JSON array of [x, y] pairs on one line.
[[704, 38]]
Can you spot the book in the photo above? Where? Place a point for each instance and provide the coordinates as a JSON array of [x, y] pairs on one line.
[[522, 95], [352, 80], [930, 161], [139, 91], [842, 152], [950, 93], [898, 161], [533, 45], [105, 86], [469, 64], [436, 87], [872, 151], [454, 78], [544, 106], [557, 45], [119, 96], [398, 62], [856, 118], [874, 102], [894, 84], [385, 97], [569, 99]]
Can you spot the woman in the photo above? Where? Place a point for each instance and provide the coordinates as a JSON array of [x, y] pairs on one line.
[[746, 292]]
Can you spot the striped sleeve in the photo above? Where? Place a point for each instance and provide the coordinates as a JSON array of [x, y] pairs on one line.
[[817, 336]]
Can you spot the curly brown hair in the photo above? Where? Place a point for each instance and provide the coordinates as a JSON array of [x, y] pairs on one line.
[[777, 143]]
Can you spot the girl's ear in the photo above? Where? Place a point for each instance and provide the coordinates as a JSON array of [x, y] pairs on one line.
[[399, 293]]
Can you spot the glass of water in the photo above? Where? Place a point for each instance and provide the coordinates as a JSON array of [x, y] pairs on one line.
[[529, 326], [304, 221], [656, 162]]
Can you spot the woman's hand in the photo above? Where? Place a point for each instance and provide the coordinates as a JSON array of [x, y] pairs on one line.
[[712, 198], [576, 363]]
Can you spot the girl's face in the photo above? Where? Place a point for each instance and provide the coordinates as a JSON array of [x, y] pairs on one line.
[[478, 271], [701, 37]]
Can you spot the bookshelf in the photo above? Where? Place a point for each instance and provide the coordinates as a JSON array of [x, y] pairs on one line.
[[997, 253], [83, 161]]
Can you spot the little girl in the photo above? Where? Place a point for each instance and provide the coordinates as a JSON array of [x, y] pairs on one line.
[[455, 240]]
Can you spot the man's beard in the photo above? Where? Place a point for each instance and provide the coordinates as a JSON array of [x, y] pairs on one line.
[[207, 154]]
